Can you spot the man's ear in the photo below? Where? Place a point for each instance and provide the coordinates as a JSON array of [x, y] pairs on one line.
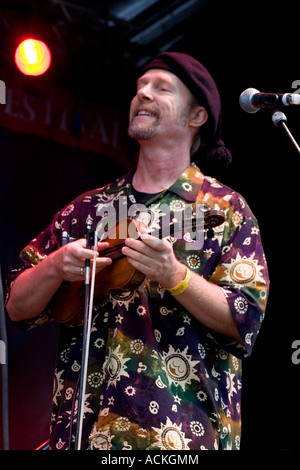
[[199, 116]]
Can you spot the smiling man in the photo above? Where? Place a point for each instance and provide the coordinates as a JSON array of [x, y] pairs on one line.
[[161, 96], [165, 358]]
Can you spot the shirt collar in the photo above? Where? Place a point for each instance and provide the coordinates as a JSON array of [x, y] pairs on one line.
[[187, 185], [121, 183]]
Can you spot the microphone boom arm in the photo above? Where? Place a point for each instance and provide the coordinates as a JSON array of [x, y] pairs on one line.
[[279, 119]]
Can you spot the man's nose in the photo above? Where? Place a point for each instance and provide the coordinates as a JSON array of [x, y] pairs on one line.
[[145, 92]]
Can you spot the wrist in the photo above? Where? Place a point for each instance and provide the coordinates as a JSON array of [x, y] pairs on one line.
[[177, 274], [53, 266], [182, 285]]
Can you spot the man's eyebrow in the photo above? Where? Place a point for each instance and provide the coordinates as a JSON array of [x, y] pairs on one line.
[[159, 78], [140, 80]]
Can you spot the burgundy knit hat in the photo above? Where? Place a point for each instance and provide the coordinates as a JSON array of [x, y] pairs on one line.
[[201, 84]]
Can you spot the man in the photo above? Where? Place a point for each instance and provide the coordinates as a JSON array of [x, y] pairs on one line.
[[165, 357]]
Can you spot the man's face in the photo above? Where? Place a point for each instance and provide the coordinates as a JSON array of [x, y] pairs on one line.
[[161, 106]]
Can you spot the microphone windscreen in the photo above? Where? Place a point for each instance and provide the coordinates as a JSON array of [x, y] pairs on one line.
[[245, 100]]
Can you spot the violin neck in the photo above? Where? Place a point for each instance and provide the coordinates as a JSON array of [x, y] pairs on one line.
[[175, 227], [212, 218], [115, 251]]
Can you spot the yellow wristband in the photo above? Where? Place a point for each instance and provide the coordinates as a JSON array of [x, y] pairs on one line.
[[182, 286]]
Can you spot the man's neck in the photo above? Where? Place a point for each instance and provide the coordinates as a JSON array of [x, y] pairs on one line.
[[156, 172]]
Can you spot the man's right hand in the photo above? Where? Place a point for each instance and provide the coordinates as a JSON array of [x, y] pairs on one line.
[[69, 261], [33, 289]]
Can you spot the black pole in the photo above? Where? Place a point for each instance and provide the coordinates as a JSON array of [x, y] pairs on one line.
[[280, 119]]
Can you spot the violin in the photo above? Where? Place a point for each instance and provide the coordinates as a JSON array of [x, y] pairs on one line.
[[67, 305]]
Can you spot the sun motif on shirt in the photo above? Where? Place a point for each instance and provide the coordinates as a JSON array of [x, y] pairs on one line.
[[86, 408], [243, 271], [179, 367], [58, 385], [114, 366], [100, 439], [230, 385], [170, 437], [123, 298]]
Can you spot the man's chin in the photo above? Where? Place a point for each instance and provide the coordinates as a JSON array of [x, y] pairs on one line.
[[140, 134]]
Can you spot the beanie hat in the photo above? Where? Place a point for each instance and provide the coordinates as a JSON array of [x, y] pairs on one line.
[[203, 87]]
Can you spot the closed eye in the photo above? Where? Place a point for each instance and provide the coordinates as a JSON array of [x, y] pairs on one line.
[[157, 83], [165, 89]]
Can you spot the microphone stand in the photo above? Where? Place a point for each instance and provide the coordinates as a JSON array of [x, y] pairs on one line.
[[279, 120]]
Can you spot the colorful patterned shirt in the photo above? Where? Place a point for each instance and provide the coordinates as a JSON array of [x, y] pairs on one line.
[[157, 378]]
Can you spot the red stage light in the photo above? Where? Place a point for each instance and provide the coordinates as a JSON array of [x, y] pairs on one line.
[[33, 57]]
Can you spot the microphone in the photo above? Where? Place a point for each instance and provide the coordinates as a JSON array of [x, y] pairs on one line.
[[252, 100]]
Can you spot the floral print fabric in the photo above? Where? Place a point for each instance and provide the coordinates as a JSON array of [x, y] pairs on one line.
[[157, 378]]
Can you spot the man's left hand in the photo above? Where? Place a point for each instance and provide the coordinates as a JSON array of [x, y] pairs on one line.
[[155, 258]]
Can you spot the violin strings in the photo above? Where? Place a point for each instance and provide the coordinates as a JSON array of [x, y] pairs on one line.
[[161, 233]]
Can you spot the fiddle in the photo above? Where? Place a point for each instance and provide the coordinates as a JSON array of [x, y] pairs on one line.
[[67, 305]]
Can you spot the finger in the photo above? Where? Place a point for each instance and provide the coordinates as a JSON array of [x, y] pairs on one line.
[[77, 270], [137, 246], [141, 267], [143, 230], [102, 245], [148, 241], [102, 262], [142, 258], [73, 272], [77, 249]]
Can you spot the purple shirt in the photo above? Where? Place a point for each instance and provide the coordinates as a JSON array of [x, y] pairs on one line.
[[157, 378]]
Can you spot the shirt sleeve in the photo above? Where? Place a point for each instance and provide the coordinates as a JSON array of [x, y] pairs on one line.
[[38, 249], [242, 274]]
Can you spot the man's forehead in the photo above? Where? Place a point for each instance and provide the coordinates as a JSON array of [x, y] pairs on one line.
[[158, 73], [164, 76]]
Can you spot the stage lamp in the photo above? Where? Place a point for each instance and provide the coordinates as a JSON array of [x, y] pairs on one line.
[[33, 57]]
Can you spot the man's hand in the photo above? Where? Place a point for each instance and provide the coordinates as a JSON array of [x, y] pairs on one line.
[[35, 287], [205, 301], [155, 258], [69, 261]]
